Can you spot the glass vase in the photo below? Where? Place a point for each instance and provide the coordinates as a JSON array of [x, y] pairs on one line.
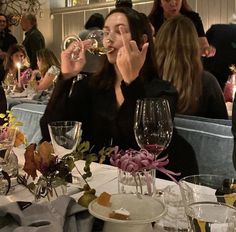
[[48, 189], [142, 182]]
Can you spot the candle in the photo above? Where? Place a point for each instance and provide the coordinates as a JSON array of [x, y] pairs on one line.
[[18, 65]]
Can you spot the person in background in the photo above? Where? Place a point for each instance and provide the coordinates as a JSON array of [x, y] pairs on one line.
[[223, 38], [234, 130], [48, 70], [124, 3], [105, 103], [6, 38], [16, 54], [3, 102], [93, 62], [179, 62], [34, 40], [163, 10]]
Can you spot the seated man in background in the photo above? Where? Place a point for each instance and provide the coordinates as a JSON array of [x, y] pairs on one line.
[[223, 38]]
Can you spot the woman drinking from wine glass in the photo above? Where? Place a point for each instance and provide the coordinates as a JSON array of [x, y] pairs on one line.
[[105, 103]]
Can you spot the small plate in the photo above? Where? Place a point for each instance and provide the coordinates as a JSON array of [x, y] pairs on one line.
[[142, 210]]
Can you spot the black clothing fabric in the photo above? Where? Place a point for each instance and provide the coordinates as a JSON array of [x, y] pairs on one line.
[[102, 120], [223, 38], [3, 103], [3, 100], [211, 104], [33, 42], [6, 41], [104, 123], [158, 20]]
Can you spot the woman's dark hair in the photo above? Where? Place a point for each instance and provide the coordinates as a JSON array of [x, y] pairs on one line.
[[139, 26], [95, 20], [156, 14], [124, 3]]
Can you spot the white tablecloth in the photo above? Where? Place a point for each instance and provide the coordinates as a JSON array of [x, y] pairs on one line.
[[104, 178]]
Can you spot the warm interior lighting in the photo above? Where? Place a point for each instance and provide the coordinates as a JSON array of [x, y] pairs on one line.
[[15, 8]]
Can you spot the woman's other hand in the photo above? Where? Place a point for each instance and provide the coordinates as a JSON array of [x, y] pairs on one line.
[[129, 58]]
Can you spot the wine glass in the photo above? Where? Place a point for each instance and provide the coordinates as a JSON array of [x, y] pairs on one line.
[[94, 44], [64, 136], [153, 127]]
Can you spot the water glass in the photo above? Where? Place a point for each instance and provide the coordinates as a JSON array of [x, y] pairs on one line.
[[209, 203], [64, 136], [8, 160], [175, 219]]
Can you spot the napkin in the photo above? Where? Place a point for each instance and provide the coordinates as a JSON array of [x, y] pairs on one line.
[[63, 214]]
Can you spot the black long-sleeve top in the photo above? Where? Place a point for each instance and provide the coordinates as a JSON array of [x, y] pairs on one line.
[[106, 124], [103, 122]]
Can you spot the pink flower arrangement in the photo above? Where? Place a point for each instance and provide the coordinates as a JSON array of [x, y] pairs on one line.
[[136, 161]]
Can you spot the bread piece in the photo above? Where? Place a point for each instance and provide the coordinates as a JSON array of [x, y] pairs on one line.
[[120, 214], [104, 199]]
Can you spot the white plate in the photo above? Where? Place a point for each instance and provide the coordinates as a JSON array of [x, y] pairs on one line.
[[142, 211]]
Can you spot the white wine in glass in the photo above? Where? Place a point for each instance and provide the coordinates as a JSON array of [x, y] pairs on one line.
[[94, 44]]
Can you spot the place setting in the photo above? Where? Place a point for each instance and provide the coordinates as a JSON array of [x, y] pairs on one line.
[[125, 195]]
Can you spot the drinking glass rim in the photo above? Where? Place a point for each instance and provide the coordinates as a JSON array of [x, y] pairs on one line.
[[152, 99], [193, 177], [64, 123], [213, 202]]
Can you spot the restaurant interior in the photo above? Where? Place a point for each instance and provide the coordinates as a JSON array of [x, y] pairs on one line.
[[111, 198]]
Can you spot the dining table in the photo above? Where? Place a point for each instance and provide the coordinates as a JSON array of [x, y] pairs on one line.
[[19, 98], [104, 179]]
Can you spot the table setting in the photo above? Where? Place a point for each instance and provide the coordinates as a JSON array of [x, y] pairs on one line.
[[65, 180]]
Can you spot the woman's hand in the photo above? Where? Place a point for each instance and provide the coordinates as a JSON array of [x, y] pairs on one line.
[[208, 51], [129, 58], [73, 59]]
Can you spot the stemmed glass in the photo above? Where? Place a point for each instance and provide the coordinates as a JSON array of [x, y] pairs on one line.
[[64, 136], [94, 46], [153, 127]]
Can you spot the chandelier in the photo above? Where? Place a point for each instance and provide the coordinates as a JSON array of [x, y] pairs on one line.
[[14, 9]]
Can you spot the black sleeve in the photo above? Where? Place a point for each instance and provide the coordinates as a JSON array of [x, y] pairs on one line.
[[36, 42], [68, 102], [213, 99], [197, 21]]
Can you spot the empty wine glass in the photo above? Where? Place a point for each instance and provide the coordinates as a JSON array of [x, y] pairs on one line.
[[64, 136], [94, 44], [153, 125]]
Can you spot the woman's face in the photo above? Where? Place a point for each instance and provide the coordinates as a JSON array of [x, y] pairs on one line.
[[18, 57], [171, 8], [112, 38]]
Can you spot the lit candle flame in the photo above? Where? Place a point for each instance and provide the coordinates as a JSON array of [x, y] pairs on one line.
[[18, 65]]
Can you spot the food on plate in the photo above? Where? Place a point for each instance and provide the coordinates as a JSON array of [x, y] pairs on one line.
[[120, 214], [104, 199]]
